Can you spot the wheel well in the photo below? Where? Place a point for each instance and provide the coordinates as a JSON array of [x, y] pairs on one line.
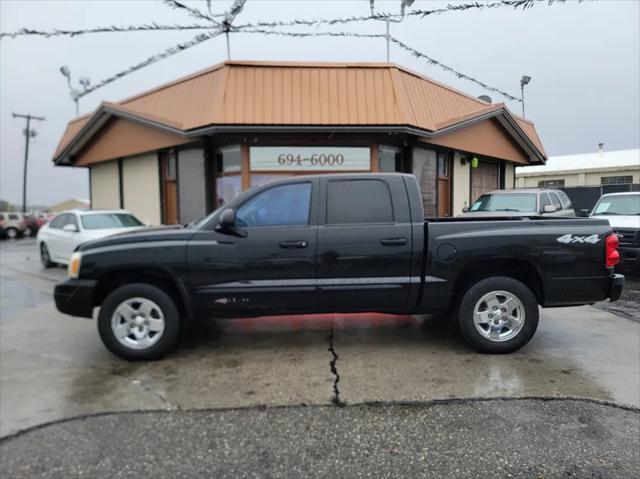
[[156, 277], [523, 271]]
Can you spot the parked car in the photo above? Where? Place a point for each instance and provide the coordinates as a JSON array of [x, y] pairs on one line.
[[33, 222], [320, 244], [524, 202], [14, 225], [622, 210], [60, 237]]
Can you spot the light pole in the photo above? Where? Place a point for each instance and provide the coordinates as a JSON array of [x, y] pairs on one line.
[[523, 81], [74, 92], [403, 5]]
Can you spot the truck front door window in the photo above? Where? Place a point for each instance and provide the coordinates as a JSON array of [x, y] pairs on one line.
[[286, 205]]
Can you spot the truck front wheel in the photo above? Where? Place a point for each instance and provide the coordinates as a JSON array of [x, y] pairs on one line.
[[498, 315], [139, 321]]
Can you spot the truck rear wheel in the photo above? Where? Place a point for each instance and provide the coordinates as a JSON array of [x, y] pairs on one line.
[[139, 321], [498, 315]]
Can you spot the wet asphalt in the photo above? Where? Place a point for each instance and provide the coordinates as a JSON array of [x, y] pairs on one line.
[[283, 376], [469, 439]]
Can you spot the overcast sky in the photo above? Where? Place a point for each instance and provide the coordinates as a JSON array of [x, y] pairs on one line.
[[584, 60]]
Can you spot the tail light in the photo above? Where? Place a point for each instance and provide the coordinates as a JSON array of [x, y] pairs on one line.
[[612, 257]]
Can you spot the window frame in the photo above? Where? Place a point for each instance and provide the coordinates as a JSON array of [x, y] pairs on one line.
[[325, 202], [626, 180], [268, 187], [553, 195]]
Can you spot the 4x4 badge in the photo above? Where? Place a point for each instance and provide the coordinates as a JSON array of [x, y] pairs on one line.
[[569, 238]]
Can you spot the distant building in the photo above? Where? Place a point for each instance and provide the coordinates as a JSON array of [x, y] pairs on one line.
[[179, 151], [70, 205], [615, 170], [587, 176]]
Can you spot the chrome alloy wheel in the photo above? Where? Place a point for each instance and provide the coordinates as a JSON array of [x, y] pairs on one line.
[[499, 316], [138, 323]]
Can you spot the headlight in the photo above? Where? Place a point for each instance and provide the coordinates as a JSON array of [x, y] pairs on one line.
[[74, 265]]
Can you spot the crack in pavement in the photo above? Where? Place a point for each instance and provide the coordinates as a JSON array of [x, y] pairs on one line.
[[335, 399]]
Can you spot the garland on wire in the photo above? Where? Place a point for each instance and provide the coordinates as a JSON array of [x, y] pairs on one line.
[[442, 66], [194, 12], [111, 29], [515, 4], [197, 40], [430, 60]]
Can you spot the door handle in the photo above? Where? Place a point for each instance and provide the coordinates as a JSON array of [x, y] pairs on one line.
[[393, 241], [293, 244]]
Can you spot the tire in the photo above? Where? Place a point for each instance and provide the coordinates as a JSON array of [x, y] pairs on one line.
[[146, 307], [12, 233], [510, 327], [45, 257]]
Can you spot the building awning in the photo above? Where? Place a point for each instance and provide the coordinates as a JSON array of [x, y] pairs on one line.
[[301, 97]]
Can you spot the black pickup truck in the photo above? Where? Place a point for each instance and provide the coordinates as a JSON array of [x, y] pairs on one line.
[[339, 243]]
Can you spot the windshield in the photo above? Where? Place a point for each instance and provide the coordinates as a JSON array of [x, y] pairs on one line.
[[627, 205], [522, 202], [104, 221]]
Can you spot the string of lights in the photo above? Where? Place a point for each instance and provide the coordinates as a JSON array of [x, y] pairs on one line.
[[194, 12], [197, 40], [110, 29], [217, 27], [515, 4], [430, 60]]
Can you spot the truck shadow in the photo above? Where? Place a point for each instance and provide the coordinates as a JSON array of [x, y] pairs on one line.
[[388, 328]]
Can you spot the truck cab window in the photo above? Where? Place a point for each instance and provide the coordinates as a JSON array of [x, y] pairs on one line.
[[286, 205], [358, 201]]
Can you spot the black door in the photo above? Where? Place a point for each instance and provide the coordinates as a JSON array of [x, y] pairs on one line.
[[272, 269], [364, 244]]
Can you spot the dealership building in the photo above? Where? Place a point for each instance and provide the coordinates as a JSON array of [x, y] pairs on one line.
[[177, 152]]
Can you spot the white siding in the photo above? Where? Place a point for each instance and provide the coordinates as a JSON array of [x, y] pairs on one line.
[[141, 187], [460, 184], [105, 185]]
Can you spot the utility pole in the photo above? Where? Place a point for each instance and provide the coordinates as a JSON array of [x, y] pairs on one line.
[[28, 133]]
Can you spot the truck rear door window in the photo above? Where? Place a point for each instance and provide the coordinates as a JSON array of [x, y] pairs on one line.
[[358, 201]]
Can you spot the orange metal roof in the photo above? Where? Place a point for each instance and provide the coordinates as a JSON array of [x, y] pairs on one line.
[[285, 93]]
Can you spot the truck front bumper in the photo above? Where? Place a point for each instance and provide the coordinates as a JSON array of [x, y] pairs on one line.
[[616, 287], [75, 297]]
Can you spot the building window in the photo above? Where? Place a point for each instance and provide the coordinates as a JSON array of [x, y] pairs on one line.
[[424, 166], [228, 174], [551, 184], [389, 158], [270, 163], [168, 176], [616, 180]]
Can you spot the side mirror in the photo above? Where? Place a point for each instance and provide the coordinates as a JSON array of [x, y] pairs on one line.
[[584, 213], [70, 228], [465, 209], [549, 209], [227, 218]]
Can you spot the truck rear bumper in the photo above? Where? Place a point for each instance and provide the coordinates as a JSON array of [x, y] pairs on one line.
[[616, 287], [75, 297]]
